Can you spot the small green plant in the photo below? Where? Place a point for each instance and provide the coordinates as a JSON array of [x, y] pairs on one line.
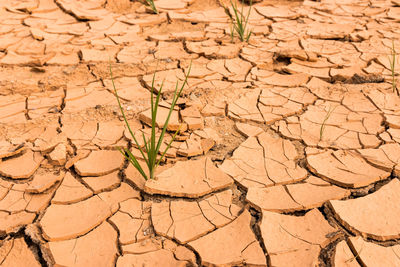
[[152, 146], [392, 62], [321, 131], [151, 4], [239, 22]]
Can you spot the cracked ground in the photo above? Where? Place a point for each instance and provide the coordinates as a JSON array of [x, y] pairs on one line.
[[289, 150]]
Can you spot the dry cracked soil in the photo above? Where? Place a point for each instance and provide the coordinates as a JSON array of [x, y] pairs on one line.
[[289, 150]]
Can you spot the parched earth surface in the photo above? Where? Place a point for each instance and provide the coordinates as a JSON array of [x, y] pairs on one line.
[[289, 150]]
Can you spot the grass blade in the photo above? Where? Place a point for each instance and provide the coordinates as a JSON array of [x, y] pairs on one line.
[[123, 113], [133, 161]]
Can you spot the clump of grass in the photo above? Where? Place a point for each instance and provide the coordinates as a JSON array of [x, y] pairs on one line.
[[392, 62], [321, 131], [151, 4], [152, 146], [239, 22]]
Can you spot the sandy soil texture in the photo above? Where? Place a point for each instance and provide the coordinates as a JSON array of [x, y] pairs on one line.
[[289, 153]]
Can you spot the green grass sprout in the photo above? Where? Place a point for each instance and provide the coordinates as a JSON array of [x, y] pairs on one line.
[[240, 22], [151, 4], [152, 146]]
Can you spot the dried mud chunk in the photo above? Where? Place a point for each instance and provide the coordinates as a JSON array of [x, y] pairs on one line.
[[233, 244], [85, 250], [211, 48], [329, 31], [273, 78], [171, 5], [186, 221], [172, 51], [21, 167], [17, 199], [143, 19], [276, 12], [92, 10], [279, 102], [373, 216], [141, 51], [167, 77], [208, 16], [132, 221], [59, 155], [49, 139], [42, 103], [96, 55], [245, 108], [161, 257], [80, 133], [15, 252], [11, 223], [193, 178], [71, 191], [386, 157], [301, 196], [345, 169], [99, 163], [329, 124], [128, 88], [343, 256], [102, 183], [295, 241], [263, 161], [192, 117], [88, 96], [62, 222], [43, 181], [8, 149], [191, 147], [322, 73], [11, 108], [371, 254], [162, 114], [108, 133]]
